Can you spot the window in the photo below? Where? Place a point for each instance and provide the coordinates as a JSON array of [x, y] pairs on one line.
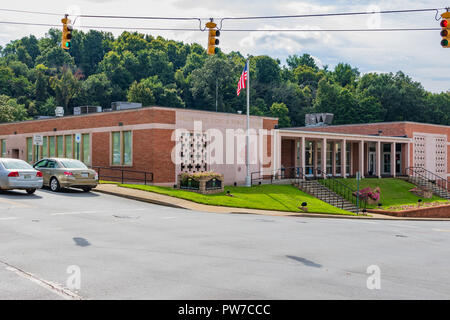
[[69, 149], [86, 148], [30, 150], [73, 164], [51, 144], [3, 148], [127, 148], [60, 146], [121, 148], [45, 148], [41, 164]]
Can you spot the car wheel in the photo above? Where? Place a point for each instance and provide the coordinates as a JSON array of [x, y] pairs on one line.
[[88, 189], [30, 191], [54, 185]]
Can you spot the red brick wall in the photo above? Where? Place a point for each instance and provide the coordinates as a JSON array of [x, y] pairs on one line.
[[287, 153]]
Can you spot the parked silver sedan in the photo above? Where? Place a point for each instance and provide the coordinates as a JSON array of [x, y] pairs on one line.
[[17, 174]]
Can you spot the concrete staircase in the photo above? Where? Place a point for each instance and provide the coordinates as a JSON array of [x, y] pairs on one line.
[[430, 185], [321, 192]]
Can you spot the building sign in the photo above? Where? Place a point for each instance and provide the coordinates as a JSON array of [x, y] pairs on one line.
[[38, 140]]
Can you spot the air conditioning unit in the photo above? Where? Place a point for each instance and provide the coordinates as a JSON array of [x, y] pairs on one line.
[[86, 109], [123, 105]]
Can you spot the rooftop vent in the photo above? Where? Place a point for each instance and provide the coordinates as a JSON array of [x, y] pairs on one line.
[[318, 119], [86, 109], [123, 105]]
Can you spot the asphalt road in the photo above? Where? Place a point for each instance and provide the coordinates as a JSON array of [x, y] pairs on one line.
[[124, 249]]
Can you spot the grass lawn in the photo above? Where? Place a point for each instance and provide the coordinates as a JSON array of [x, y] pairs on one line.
[[394, 191], [266, 197]]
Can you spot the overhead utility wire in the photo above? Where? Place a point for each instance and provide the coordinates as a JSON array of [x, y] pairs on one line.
[[329, 14], [226, 30], [233, 18]]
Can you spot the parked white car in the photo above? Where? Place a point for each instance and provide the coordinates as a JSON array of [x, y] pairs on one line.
[[17, 174]]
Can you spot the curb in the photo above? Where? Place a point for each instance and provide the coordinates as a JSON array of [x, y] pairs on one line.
[[281, 213], [161, 203]]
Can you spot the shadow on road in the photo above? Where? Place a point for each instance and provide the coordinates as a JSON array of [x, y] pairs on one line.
[[306, 262], [18, 194], [71, 193]]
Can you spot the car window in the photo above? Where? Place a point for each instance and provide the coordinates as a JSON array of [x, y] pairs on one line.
[[41, 164], [51, 164], [11, 165], [73, 164]]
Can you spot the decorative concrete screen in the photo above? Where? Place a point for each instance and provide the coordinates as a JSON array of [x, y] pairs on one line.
[[194, 156], [430, 153], [441, 156], [419, 151]]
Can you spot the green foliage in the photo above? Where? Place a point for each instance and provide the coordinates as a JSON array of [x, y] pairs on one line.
[[10, 110], [100, 68], [280, 111]]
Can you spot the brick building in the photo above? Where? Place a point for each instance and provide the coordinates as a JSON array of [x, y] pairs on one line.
[[137, 139], [374, 149], [143, 139]]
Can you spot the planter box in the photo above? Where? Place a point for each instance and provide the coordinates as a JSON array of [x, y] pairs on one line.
[[426, 212], [204, 185]]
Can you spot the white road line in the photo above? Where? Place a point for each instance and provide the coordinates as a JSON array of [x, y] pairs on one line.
[[53, 287], [169, 218], [9, 218], [74, 212], [441, 230]]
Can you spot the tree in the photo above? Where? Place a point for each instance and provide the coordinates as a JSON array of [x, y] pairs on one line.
[[150, 91], [280, 111], [10, 110], [345, 75], [66, 87], [306, 59], [96, 90]]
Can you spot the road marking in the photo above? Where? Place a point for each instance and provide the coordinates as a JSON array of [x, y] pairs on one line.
[[9, 218], [74, 212], [53, 287], [441, 230], [169, 218]]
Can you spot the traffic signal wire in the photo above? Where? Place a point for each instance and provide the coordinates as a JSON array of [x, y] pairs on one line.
[[225, 30]]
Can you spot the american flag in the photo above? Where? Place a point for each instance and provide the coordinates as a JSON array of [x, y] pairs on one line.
[[243, 79]]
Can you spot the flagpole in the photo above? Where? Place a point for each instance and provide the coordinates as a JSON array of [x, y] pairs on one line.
[[248, 182]]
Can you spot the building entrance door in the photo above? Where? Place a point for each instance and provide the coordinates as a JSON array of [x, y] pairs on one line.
[[386, 163], [372, 163], [15, 153]]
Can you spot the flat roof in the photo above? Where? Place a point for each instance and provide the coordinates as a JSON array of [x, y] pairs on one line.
[[368, 124], [135, 110], [350, 135]]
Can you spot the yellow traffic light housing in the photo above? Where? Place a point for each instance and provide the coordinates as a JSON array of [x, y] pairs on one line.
[[445, 32], [212, 38], [66, 33]]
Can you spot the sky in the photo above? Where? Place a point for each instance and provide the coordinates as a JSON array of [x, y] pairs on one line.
[[416, 53]]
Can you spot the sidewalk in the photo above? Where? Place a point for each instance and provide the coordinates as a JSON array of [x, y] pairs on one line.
[[164, 200]]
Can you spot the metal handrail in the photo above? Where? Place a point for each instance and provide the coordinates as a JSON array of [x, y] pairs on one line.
[[337, 187], [281, 173], [428, 176], [147, 176]]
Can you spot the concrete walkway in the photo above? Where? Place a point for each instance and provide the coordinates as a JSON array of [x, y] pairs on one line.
[[165, 200]]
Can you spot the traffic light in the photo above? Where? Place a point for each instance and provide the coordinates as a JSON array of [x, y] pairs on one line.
[[445, 33], [66, 33], [212, 38]]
